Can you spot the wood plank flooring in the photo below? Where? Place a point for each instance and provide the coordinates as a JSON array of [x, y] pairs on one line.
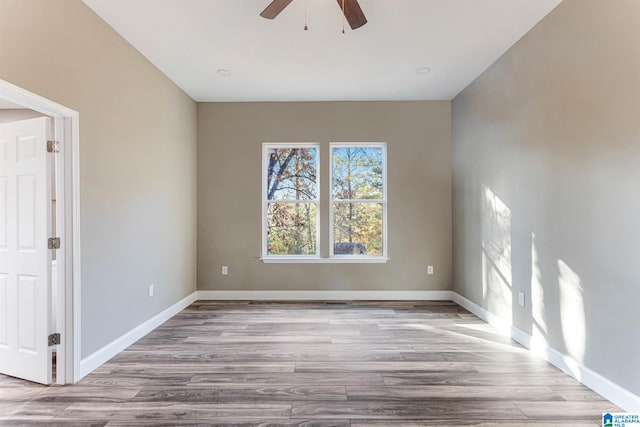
[[314, 364]]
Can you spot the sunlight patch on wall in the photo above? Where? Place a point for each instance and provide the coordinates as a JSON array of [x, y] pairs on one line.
[[539, 327], [572, 311], [496, 254]]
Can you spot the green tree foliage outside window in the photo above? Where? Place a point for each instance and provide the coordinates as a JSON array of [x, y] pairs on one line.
[[357, 190], [292, 193]]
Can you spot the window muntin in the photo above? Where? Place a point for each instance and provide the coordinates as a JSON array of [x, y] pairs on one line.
[[290, 200], [358, 200]]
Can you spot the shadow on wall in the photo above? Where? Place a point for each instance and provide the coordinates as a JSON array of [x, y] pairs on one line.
[[515, 259]]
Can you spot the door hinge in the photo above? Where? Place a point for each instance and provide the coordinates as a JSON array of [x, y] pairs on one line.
[[54, 243], [53, 146], [54, 339]]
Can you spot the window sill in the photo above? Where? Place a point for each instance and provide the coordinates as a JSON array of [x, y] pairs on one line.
[[318, 260]]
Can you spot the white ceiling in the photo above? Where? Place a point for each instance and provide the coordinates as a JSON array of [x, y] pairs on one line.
[[276, 60]]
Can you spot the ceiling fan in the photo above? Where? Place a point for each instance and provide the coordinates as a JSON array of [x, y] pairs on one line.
[[352, 11]]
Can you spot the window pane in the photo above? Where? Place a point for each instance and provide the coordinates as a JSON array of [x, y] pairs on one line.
[[291, 174], [291, 229], [357, 173], [357, 229]]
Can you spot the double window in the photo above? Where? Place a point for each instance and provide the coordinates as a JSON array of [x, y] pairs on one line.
[[356, 202]]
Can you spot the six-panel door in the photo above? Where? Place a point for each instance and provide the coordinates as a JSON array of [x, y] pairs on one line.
[[25, 260]]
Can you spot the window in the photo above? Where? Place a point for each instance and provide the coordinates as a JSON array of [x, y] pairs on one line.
[[356, 207], [290, 200], [358, 200]]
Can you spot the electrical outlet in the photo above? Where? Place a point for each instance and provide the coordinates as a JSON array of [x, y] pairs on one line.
[[521, 298], [430, 270], [151, 290], [225, 270]]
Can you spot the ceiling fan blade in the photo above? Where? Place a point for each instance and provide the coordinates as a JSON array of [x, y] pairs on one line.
[[275, 8], [353, 12]]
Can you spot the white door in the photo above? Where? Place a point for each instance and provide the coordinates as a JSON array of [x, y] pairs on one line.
[[25, 260]]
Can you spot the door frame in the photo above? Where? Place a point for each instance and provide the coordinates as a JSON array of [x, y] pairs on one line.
[[67, 131]]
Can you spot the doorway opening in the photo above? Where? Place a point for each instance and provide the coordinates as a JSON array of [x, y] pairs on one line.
[[40, 249]]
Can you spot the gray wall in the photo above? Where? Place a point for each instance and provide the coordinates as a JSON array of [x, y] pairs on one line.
[[230, 138], [546, 157], [137, 159]]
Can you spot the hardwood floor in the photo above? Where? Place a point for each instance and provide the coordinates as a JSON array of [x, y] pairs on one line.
[[314, 364]]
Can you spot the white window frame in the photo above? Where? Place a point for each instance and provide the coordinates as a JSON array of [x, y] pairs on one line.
[[359, 258], [265, 203]]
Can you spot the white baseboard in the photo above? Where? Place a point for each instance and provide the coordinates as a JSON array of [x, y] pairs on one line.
[[502, 325], [96, 359], [601, 385], [325, 295]]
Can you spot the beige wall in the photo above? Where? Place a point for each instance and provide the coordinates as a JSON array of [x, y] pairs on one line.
[[546, 157], [137, 159], [230, 138], [12, 115]]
